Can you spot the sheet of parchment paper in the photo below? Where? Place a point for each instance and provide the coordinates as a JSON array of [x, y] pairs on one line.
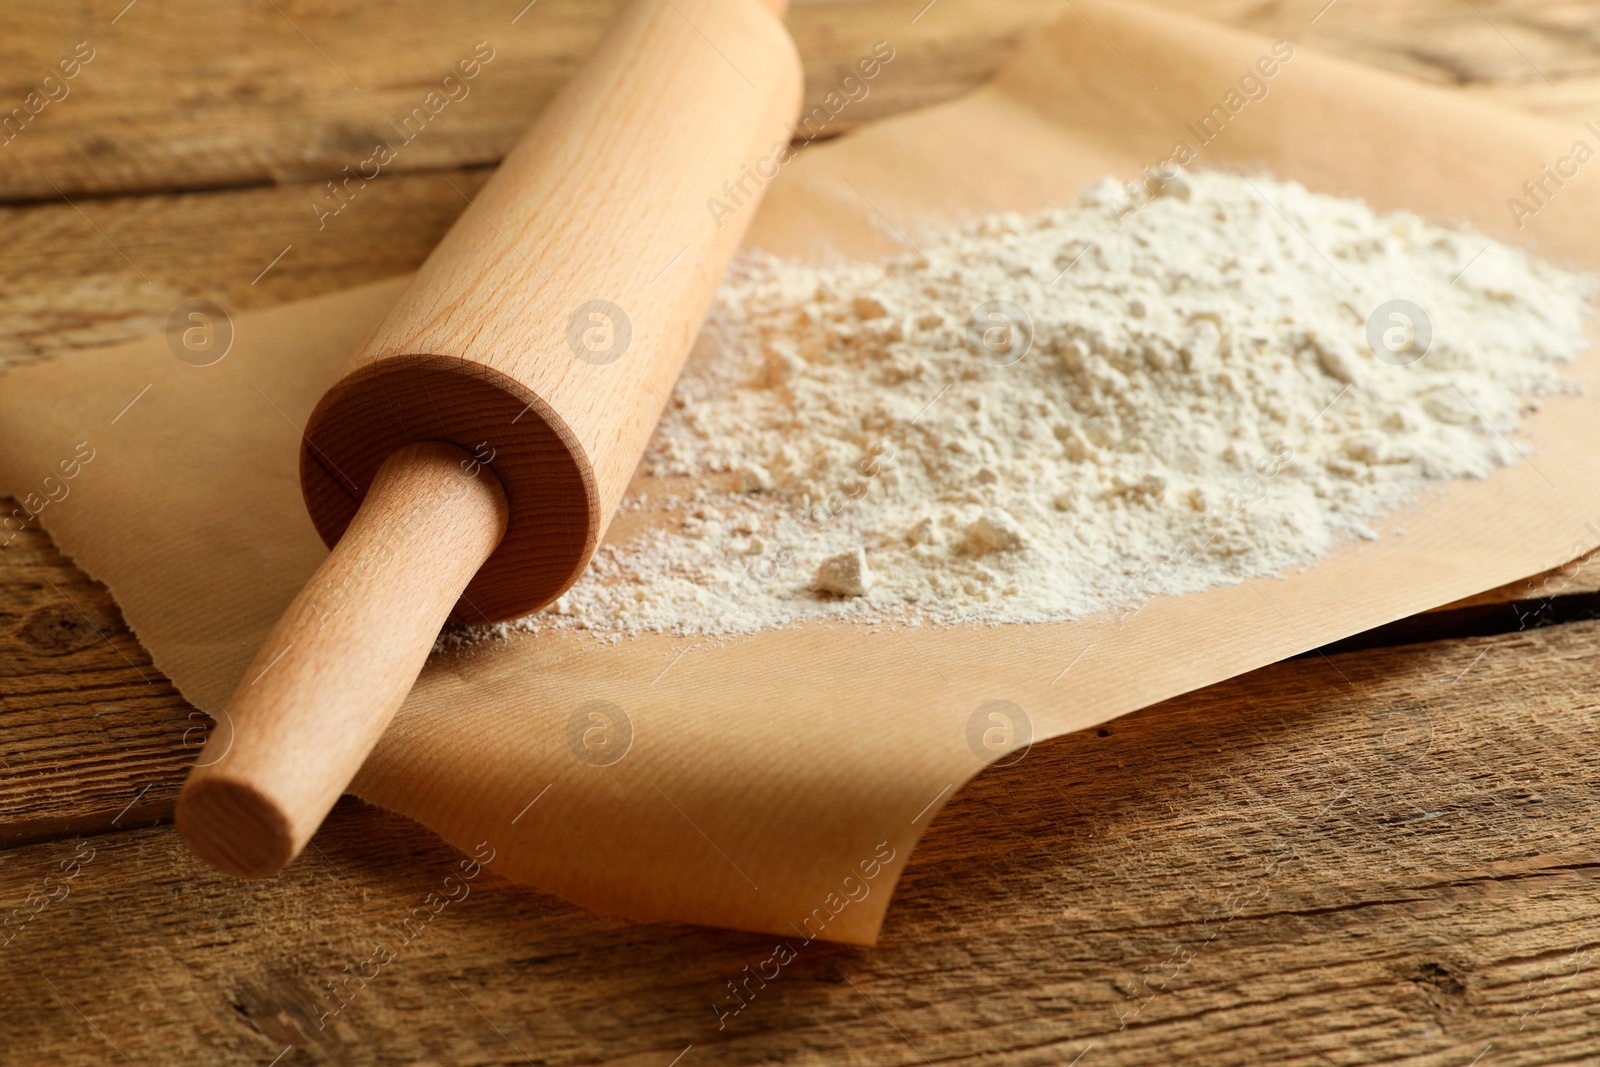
[[778, 782]]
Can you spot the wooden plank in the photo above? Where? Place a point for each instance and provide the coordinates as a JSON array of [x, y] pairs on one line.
[[1388, 857], [1537, 55], [293, 92], [111, 270], [94, 735]]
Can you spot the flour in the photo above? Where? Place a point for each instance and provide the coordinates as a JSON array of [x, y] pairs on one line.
[[1146, 401]]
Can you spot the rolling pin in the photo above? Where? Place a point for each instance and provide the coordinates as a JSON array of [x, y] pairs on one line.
[[466, 463]]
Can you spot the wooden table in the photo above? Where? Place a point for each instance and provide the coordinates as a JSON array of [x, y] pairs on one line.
[[1384, 852]]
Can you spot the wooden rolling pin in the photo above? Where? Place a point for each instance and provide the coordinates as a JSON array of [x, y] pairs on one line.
[[468, 460]]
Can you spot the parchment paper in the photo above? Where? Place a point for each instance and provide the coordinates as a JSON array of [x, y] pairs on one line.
[[778, 782]]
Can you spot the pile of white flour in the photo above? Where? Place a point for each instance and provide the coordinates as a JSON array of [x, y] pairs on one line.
[[1198, 403]]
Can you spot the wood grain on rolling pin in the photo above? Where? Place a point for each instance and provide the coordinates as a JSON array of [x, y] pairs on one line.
[[432, 511], [538, 344], [477, 351]]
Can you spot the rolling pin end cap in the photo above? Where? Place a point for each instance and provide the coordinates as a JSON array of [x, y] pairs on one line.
[[235, 828]]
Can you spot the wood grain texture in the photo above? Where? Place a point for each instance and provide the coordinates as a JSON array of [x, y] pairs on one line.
[[550, 323], [1032, 919], [1538, 55], [76, 276], [109, 268], [1383, 857], [295, 92], [334, 670], [94, 737]]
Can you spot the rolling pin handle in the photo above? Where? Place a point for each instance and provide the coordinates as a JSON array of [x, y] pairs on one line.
[[341, 659]]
